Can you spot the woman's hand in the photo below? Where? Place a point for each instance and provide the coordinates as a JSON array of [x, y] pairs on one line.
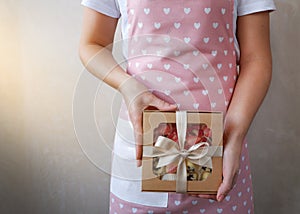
[[138, 98], [231, 160]]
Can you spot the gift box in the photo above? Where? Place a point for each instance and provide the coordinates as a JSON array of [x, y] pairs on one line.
[[182, 151]]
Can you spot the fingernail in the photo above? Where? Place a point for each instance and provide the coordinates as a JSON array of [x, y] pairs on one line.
[[221, 198], [139, 163]]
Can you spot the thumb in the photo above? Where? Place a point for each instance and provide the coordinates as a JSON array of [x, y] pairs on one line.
[[162, 105], [223, 191], [225, 187]]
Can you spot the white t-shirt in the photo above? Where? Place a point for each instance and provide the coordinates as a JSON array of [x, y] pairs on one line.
[[123, 188]]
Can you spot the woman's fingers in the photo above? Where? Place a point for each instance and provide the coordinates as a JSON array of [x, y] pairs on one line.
[[230, 171], [139, 142], [135, 108], [224, 188], [136, 119], [162, 105], [213, 197]]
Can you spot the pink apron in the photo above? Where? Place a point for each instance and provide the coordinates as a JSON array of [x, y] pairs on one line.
[[183, 51]]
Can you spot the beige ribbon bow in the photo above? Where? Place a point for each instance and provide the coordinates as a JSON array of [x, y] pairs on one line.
[[169, 152]]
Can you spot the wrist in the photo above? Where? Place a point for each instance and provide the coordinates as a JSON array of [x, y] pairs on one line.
[[236, 124], [131, 88], [234, 132]]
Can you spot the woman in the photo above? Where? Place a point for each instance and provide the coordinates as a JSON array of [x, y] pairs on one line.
[[185, 54]]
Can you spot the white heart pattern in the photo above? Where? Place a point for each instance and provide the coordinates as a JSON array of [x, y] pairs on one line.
[[206, 40], [195, 53], [211, 201], [196, 105], [197, 25], [177, 79], [177, 203], [177, 25], [205, 92], [187, 39], [146, 11], [166, 10], [219, 210], [215, 25], [187, 10], [167, 39], [140, 24], [167, 92], [223, 11], [186, 66], [167, 66], [196, 79], [205, 66], [186, 92], [214, 53], [194, 202], [157, 25], [207, 10]]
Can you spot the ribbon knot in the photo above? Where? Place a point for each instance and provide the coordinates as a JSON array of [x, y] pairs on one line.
[[169, 152], [184, 154]]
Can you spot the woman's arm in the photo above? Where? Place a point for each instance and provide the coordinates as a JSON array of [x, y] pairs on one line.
[[96, 45], [251, 88], [96, 54]]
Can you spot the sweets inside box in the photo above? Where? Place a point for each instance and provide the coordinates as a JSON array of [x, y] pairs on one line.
[[196, 133]]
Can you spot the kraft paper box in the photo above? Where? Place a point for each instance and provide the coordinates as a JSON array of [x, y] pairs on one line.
[[182, 151]]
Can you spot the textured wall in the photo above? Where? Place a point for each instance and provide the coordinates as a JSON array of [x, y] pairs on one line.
[[48, 167], [275, 133]]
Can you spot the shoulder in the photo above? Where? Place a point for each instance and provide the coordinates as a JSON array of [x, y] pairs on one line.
[[245, 7], [107, 7]]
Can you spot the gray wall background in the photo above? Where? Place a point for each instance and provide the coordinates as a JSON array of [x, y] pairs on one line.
[[45, 168]]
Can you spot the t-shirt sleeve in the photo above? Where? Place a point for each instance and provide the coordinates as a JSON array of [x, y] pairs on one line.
[[107, 7], [245, 7]]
